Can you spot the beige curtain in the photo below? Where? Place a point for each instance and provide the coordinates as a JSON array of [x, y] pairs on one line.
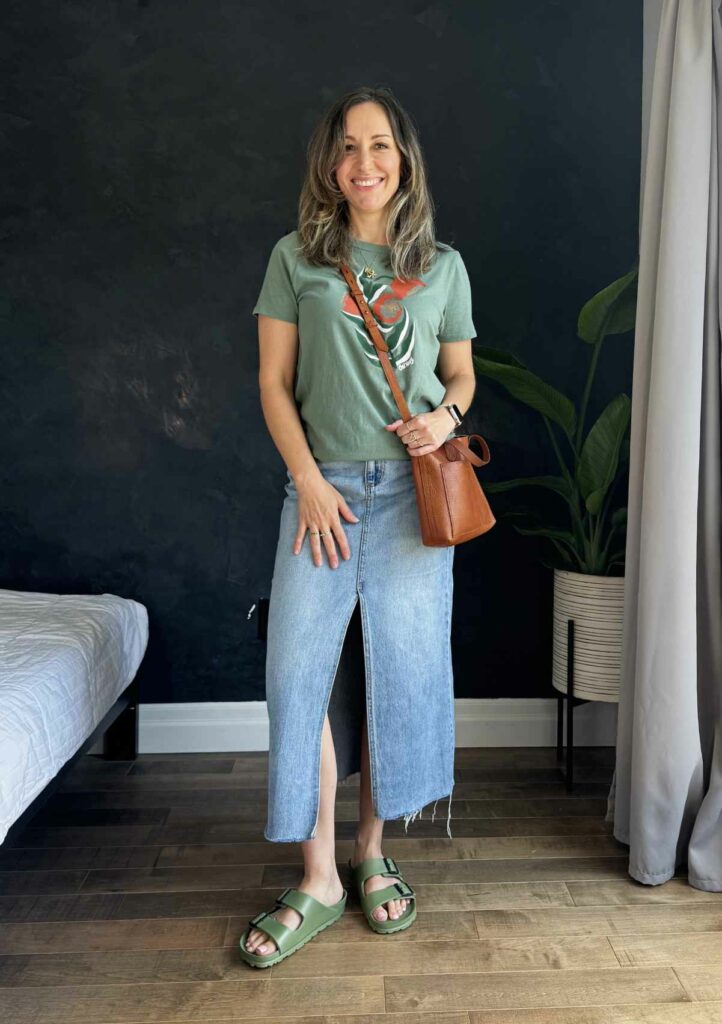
[[666, 795]]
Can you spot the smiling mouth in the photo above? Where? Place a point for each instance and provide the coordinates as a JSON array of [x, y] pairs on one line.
[[366, 184]]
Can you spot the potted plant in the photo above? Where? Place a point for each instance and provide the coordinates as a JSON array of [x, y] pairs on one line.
[[587, 547]]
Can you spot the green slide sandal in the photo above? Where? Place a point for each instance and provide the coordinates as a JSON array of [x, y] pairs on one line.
[[397, 890], [315, 917]]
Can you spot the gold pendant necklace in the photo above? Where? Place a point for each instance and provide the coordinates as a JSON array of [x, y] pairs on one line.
[[369, 272]]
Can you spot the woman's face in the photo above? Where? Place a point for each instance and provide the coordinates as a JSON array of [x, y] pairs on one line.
[[370, 171]]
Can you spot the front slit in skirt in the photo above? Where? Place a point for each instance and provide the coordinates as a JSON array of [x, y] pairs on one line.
[[394, 595]]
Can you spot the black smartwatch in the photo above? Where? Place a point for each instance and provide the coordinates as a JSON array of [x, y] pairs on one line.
[[455, 412]]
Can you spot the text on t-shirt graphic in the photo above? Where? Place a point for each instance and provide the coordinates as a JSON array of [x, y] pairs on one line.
[[385, 300]]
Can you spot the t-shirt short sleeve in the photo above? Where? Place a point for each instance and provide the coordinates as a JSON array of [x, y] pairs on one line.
[[456, 324], [277, 297]]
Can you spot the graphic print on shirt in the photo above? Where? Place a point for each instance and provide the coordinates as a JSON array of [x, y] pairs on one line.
[[385, 296]]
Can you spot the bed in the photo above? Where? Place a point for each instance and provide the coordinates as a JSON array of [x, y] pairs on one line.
[[65, 660]]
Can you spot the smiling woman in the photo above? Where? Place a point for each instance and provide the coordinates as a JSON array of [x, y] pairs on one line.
[[330, 412], [374, 170]]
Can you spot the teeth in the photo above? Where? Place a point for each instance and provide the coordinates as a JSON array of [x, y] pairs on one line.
[[365, 181]]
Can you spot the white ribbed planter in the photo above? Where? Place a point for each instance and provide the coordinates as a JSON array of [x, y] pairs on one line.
[[596, 604]]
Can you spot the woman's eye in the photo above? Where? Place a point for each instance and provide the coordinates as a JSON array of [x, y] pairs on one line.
[[349, 145]]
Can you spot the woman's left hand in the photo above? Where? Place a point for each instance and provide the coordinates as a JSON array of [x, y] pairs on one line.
[[424, 433]]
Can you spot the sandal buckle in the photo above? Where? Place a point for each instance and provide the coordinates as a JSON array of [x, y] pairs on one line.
[[391, 865], [254, 921], [404, 888]]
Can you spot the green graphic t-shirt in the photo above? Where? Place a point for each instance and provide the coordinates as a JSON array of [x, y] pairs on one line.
[[342, 393]]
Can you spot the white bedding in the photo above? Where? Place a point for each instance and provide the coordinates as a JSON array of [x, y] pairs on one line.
[[64, 661]]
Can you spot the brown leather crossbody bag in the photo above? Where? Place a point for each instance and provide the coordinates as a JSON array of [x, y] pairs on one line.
[[452, 506]]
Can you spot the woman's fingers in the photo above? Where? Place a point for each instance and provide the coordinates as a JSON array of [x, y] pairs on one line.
[[341, 540], [298, 539], [328, 543], [316, 546], [333, 533], [314, 540], [331, 550], [422, 449]]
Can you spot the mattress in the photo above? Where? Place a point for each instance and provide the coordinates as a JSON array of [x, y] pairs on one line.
[[64, 661]]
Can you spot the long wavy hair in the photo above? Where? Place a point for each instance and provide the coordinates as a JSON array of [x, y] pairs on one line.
[[323, 222]]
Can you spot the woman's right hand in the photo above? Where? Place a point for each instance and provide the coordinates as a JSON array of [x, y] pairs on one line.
[[319, 504]]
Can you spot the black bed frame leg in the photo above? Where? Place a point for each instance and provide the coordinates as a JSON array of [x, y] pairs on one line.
[[120, 740]]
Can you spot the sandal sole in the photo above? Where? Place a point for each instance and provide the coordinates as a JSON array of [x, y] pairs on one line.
[[270, 959]]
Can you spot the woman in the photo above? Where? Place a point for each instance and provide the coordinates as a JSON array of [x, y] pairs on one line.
[[350, 494]]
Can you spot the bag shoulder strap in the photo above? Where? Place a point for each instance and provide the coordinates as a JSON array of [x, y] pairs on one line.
[[381, 347], [457, 445]]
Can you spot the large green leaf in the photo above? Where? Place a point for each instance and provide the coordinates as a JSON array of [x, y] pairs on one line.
[[600, 453], [532, 390], [610, 311], [553, 483], [546, 531], [567, 562], [521, 512], [497, 355]]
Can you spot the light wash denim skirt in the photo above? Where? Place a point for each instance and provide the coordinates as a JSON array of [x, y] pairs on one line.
[[371, 637]]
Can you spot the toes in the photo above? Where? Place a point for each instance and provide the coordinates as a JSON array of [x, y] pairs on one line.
[[263, 946], [397, 908], [392, 909]]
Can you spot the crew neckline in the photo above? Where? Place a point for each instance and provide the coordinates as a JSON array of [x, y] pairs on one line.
[[371, 246]]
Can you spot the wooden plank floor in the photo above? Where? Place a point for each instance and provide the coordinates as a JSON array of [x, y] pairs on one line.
[[123, 903]]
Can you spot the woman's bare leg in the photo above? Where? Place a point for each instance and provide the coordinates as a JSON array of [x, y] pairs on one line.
[[320, 879], [368, 837]]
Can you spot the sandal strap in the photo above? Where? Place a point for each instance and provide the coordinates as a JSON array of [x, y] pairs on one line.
[[278, 931], [399, 890], [304, 903], [375, 866], [255, 921]]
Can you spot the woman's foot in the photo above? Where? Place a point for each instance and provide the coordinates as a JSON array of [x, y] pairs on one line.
[[261, 944], [393, 908]]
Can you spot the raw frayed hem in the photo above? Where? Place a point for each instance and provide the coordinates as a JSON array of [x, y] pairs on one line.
[[286, 839], [298, 839], [414, 814]]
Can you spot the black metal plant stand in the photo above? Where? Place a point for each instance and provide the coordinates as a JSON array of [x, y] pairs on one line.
[[571, 702]]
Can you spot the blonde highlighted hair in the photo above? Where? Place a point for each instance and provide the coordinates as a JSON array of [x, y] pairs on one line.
[[322, 208]]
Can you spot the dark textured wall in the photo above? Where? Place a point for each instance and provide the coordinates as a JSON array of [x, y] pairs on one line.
[[152, 155]]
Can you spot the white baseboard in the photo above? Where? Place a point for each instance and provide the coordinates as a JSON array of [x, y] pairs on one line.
[[243, 725]]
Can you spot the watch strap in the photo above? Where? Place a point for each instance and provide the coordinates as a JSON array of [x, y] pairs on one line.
[[455, 412]]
